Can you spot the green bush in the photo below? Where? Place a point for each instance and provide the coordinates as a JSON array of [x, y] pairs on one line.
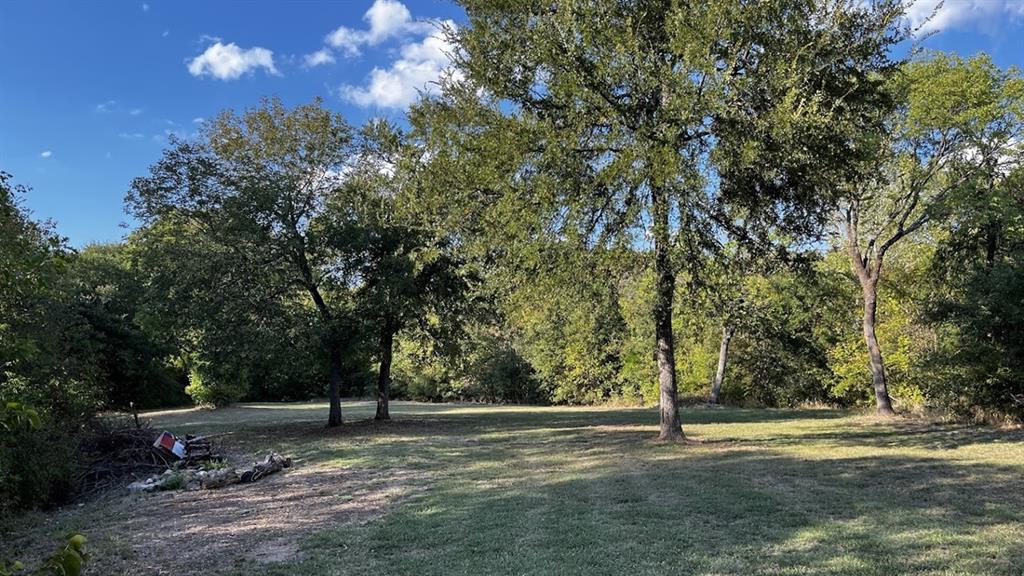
[[207, 387], [37, 460], [66, 561]]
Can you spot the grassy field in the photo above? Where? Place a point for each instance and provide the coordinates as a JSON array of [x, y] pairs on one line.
[[454, 489]]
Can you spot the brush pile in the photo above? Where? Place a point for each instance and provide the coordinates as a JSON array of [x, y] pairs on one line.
[[120, 451], [114, 450]]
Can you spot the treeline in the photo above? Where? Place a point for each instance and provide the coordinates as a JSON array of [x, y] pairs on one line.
[[752, 203]]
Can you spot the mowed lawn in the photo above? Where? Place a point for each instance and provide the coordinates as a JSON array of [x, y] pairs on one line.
[[555, 490]]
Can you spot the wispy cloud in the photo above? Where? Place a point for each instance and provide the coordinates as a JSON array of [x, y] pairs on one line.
[[45, 154], [115, 107], [131, 135], [320, 57], [145, 7], [229, 62], [939, 15]]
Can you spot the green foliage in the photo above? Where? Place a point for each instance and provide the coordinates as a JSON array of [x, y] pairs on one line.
[[976, 303], [904, 336], [958, 121], [485, 367], [573, 334], [49, 378], [45, 355], [69, 558], [37, 465], [207, 388], [652, 129], [15, 415], [245, 228], [132, 354]]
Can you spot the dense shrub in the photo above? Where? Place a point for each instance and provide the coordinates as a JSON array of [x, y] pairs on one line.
[[37, 458], [37, 466]]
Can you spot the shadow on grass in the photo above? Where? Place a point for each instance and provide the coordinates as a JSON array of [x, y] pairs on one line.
[[587, 492], [440, 438], [568, 491], [285, 415], [711, 512], [906, 434]]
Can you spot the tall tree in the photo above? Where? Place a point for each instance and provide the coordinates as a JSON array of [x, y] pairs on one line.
[[256, 190], [957, 118], [620, 112]]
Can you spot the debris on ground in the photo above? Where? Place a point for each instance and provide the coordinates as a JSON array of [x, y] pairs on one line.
[[119, 450], [182, 478], [115, 450], [168, 443], [192, 450]]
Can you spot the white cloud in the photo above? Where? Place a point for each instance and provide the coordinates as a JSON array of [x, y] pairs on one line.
[[165, 33], [321, 56], [346, 40], [131, 135], [46, 154], [198, 120], [228, 61], [417, 70], [386, 18], [963, 13], [106, 107], [135, 111], [145, 7]]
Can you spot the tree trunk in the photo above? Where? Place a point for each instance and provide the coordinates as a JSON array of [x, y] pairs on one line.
[[334, 386], [668, 402], [883, 403], [723, 353], [384, 375], [992, 233], [868, 279]]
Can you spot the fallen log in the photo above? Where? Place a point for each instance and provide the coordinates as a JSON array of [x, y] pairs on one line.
[[212, 479], [192, 479], [272, 463]]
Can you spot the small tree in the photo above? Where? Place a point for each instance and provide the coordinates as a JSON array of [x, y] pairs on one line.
[[407, 274], [957, 118]]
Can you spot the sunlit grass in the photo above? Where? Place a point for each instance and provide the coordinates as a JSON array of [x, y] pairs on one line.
[[526, 490], [556, 490]]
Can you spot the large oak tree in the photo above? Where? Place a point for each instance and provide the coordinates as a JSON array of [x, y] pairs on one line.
[[661, 124]]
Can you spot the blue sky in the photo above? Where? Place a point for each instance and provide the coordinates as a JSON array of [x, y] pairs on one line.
[[89, 91]]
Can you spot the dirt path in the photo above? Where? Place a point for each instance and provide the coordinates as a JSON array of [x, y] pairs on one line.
[[174, 533]]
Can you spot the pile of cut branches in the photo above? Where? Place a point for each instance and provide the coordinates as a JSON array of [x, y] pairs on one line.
[[114, 450]]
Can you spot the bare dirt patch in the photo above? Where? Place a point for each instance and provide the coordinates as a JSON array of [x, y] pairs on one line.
[[207, 531]]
